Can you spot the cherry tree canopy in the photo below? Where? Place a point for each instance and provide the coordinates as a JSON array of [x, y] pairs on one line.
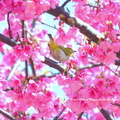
[[90, 79]]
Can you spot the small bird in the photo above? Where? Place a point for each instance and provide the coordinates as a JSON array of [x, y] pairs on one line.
[[59, 53]]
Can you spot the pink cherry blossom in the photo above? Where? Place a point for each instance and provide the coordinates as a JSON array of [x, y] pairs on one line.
[[110, 57], [15, 83], [90, 79], [33, 87], [24, 53]]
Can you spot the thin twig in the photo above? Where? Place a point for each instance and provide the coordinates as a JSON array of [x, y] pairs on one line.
[[23, 36], [61, 112], [7, 115], [91, 5], [56, 118], [9, 27], [107, 67], [13, 70], [111, 70], [9, 88], [33, 24], [26, 69], [80, 115], [91, 66], [47, 25], [116, 104], [49, 76], [106, 114], [23, 29], [32, 66], [65, 3]]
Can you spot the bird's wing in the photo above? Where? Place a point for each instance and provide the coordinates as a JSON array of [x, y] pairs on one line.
[[63, 49]]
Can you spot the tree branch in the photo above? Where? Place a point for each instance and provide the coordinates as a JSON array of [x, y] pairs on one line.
[[91, 66], [47, 25], [9, 28], [7, 115], [106, 114], [116, 104], [117, 62], [23, 29], [80, 115], [24, 36], [56, 118], [91, 5], [26, 69], [9, 88], [84, 28], [32, 66], [53, 64], [8, 41], [65, 3]]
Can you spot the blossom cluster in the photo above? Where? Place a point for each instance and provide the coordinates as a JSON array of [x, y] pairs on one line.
[[87, 88]]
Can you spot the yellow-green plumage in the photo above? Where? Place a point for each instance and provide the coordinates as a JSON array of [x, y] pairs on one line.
[[59, 53]]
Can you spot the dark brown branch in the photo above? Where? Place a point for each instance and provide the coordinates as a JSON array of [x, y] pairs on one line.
[[53, 64], [7, 115], [24, 36], [8, 41], [32, 66], [106, 114], [84, 28], [65, 3], [116, 104], [48, 25], [9, 88], [26, 69], [57, 117], [117, 62], [79, 117], [23, 29], [33, 24], [92, 6], [49, 76], [9, 27], [42, 118], [91, 66]]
